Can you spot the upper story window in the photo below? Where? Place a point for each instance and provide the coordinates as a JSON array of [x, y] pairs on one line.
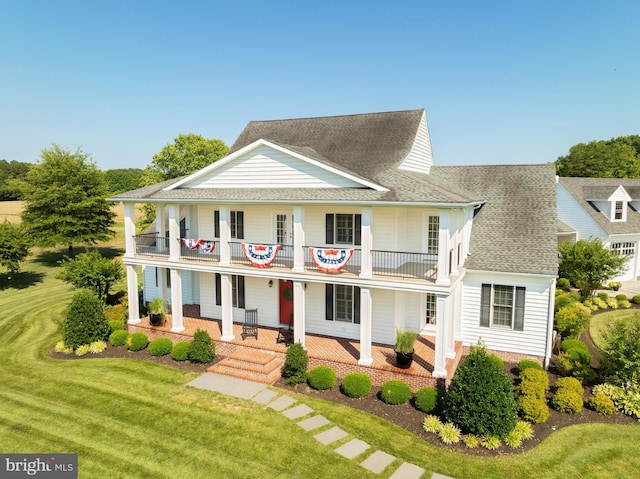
[[619, 210], [236, 224], [433, 233], [343, 228]]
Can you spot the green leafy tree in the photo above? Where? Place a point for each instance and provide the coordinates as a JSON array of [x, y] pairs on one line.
[[14, 246], [65, 200], [615, 158], [621, 357], [586, 263], [123, 179], [92, 271], [10, 171], [85, 321]]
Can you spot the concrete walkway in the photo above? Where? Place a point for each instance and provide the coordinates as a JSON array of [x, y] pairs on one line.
[[322, 429]]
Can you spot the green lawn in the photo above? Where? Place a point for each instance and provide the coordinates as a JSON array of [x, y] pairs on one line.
[[129, 419], [599, 322]]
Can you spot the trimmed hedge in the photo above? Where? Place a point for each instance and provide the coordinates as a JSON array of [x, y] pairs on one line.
[[533, 409], [116, 325], [321, 377], [118, 338], [160, 347], [636, 299], [601, 403], [201, 349], [85, 321], [569, 383], [180, 350], [527, 364], [563, 284], [356, 385], [137, 341], [567, 400], [395, 392], [428, 399], [296, 364]]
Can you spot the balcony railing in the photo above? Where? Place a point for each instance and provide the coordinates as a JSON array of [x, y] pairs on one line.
[[151, 244], [284, 258], [405, 265], [201, 253]]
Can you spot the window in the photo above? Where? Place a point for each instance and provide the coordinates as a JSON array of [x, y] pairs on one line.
[[624, 249], [502, 307], [237, 290], [619, 210], [236, 224], [343, 229], [342, 303], [431, 308], [433, 233], [282, 230]]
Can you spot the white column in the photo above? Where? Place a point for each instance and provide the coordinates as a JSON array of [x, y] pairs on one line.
[[365, 326], [299, 309], [456, 221], [443, 249], [132, 293], [160, 231], [366, 265], [457, 314], [298, 239], [174, 233], [176, 301], [130, 229], [225, 237], [226, 290], [449, 341], [440, 366]]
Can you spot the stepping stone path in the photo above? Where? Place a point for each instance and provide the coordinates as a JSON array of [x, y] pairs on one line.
[[376, 462]]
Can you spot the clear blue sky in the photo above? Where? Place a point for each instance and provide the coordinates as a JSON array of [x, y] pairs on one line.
[[501, 81]]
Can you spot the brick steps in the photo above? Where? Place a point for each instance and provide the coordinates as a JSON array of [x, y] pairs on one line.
[[250, 365]]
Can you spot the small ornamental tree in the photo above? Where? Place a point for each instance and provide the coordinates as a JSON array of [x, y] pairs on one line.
[[621, 356], [85, 321], [92, 271], [480, 399]]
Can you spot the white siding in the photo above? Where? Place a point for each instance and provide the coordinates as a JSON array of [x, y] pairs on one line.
[[574, 215], [151, 290], [532, 340], [208, 308], [420, 157]]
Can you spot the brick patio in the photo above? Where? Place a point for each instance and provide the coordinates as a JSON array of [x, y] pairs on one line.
[[340, 354]]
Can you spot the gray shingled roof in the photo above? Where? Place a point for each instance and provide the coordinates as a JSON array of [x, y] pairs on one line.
[[515, 230], [583, 189], [564, 228]]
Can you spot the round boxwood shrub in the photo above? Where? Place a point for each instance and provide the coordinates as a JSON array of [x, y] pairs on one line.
[[567, 400], [356, 385], [569, 383], [201, 349], [576, 344], [534, 409], [116, 325], [621, 297], [480, 399], [137, 341], [563, 300], [528, 363], [572, 320], [118, 338], [563, 284], [85, 321], [180, 351], [295, 364], [321, 377], [601, 403], [428, 399], [160, 346], [395, 392], [636, 299], [539, 376], [603, 296]]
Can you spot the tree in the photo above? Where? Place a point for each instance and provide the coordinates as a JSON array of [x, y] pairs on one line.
[[92, 271], [10, 171], [615, 158], [120, 180], [587, 263], [621, 357], [85, 321], [14, 246], [65, 201]]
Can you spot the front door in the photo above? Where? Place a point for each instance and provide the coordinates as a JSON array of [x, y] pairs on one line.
[[286, 301]]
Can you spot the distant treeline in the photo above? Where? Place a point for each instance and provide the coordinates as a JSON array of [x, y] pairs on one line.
[[119, 179]]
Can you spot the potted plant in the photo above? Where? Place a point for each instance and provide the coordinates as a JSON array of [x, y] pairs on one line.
[[156, 312], [404, 347]]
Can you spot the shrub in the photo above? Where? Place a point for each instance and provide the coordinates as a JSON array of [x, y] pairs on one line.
[[59, 347], [524, 429], [97, 347], [569, 383], [137, 341], [160, 347], [612, 391], [497, 360], [356, 385], [601, 404], [621, 297], [201, 349], [570, 363], [428, 399], [480, 398], [624, 304], [629, 402], [567, 400], [533, 409], [603, 296], [180, 351], [395, 392], [636, 299], [449, 433], [563, 284], [471, 441], [568, 344], [565, 299], [513, 439], [116, 325], [82, 350], [572, 320], [491, 442], [612, 303], [431, 423], [600, 303], [528, 364], [621, 356], [321, 377], [295, 364], [116, 313], [613, 285], [535, 389], [84, 322], [536, 376], [118, 338]]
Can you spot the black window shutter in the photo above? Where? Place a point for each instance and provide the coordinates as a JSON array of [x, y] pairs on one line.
[[329, 302], [356, 304], [518, 321], [485, 305], [329, 228], [183, 228], [240, 225], [357, 230], [216, 223], [218, 289], [241, 292]]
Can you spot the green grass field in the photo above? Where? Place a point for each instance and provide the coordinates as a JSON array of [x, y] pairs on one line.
[[131, 419], [599, 322]]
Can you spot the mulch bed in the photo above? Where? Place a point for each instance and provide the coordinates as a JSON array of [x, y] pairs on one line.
[[404, 415]]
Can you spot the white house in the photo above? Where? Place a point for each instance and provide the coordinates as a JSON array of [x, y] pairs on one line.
[[604, 208], [345, 226]]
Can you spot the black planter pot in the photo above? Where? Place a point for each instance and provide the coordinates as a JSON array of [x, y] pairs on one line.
[[156, 319], [404, 360]]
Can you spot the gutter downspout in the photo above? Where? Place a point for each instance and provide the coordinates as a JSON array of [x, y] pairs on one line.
[[547, 357]]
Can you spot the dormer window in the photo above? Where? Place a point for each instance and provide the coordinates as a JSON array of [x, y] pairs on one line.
[[619, 210]]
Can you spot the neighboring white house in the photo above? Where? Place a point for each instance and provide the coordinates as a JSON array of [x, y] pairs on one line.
[[604, 208], [370, 235]]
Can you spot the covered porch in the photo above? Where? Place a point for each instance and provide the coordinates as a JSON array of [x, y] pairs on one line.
[[339, 353]]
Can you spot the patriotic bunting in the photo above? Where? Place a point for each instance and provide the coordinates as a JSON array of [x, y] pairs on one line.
[[207, 246], [192, 243], [330, 260], [259, 255]]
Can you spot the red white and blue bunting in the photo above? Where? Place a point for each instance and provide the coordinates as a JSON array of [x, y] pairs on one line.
[[330, 260], [194, 243], [207, 246], [191, 243], [260, 255]]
